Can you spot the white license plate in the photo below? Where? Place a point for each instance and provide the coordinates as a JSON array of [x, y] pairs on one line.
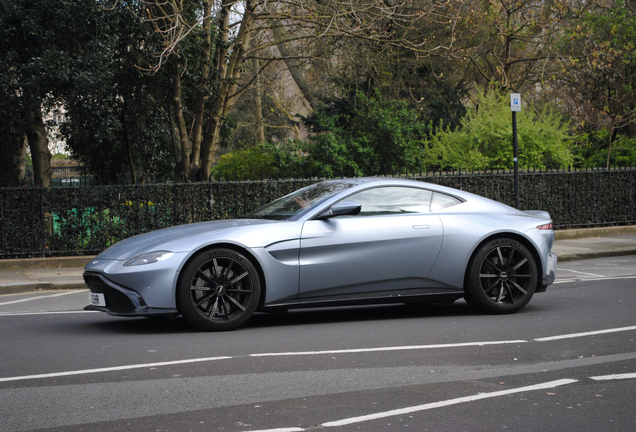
[[97, 299]]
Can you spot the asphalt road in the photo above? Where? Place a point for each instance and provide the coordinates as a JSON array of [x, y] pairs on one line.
[[565, 362]]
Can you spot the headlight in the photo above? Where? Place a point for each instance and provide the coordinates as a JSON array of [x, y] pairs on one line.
[[148, 258]]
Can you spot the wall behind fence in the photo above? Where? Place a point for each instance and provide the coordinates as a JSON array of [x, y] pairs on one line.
[[86, 220]]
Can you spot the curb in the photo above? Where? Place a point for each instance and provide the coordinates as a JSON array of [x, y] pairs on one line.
[[52, 262], [24, 287], [592, 255], [20, 288], [577, 233]]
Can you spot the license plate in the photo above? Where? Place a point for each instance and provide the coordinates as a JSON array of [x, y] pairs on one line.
[[97, 299]]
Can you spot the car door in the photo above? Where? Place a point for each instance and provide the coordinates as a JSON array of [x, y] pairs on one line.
[[391, 244]]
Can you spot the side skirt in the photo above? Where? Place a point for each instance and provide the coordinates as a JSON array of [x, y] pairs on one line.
[[404, 296]]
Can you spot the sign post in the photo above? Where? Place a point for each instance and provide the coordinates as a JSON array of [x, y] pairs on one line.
[[515, 106]]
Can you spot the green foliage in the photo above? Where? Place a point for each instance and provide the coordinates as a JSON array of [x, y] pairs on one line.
[[265, 160], [599, 69], [366, 136], [249, 163], [591, 150], [377, 137], [432, 86], [485, 139], [405, 115], [38, 42], [116, 115]]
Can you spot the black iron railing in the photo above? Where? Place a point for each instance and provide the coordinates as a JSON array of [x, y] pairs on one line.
[[86, 220]]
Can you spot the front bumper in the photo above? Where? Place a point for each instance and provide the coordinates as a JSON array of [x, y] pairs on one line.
[[549, 275], [121, 301]]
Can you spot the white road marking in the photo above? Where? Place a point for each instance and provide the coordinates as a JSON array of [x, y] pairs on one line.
[[614, 377], [301, 353], [176, 362], [591, 333], [41, 297], [579, 272], [408, 410], [547, 385], [397, 348], [608, 278], [5, 314], [292, 429], [110, 369]]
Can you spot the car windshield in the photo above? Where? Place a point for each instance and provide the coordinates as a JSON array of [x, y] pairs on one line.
[[296, 202]]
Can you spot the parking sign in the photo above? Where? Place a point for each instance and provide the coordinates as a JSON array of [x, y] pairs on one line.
[[515, 102]]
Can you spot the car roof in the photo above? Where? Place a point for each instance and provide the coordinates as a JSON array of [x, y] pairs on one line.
[[477, 202], [388, 181]]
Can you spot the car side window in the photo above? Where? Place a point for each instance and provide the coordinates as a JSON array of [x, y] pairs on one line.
[[392, 200], [441, 201]]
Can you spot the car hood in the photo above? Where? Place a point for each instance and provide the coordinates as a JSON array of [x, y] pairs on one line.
[[180, 238]]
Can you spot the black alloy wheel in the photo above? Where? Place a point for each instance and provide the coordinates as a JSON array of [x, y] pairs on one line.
[[219, 290], [502, 277]]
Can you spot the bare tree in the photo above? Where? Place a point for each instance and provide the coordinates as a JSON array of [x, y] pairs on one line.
[[510, 43], [223, 32], [598, 66]]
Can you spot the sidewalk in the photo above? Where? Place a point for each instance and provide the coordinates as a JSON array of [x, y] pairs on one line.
[[24, 275]]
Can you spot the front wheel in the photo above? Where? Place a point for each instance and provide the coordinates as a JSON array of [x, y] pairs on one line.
[[501, 277], [219, 290]]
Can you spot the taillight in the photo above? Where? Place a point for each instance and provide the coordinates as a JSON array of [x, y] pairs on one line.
[[545, 227]]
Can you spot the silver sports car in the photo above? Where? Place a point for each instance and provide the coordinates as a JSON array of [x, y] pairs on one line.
[[335, 243]]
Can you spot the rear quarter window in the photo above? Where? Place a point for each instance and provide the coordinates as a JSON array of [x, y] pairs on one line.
[[442, 201]]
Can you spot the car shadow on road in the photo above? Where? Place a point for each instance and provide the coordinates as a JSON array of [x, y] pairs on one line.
[[358, 313], [142, 326], [299, 317], [294, 317]]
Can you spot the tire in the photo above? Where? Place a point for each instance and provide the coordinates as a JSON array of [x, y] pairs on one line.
[[501, 277], [218, 290]]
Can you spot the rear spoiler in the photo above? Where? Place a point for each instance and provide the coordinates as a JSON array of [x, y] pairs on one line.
[[538, 213]]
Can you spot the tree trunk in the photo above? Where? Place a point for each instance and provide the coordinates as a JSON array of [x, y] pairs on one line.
[[175, 146], [258, 105], [182, 167], [131, 161], [201, 89], [294, 66], [227, 90], [612, 137], [13, 162], [39, 145]]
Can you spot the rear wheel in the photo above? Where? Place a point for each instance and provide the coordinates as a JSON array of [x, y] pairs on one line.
[[219, 290], [502, 277]]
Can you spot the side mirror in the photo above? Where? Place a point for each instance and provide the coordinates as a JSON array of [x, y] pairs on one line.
[[342, 208]]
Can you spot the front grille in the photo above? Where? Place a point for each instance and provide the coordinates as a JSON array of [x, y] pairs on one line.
[[116, 300]]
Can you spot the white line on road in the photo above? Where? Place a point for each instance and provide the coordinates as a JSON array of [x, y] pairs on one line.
[[607, 278], [292, 429], [408, 410], [110, 369], [480, 396], [6, 314], [579, 272], [397, 348], [357, 350], [42, 297], [614, 377], [591, 333], [175, 362]]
